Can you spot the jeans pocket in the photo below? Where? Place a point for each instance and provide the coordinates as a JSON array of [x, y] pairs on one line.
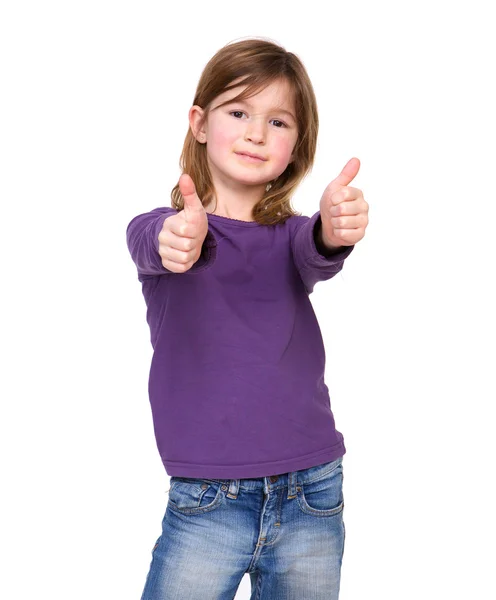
[[193, 496], [323, 497]]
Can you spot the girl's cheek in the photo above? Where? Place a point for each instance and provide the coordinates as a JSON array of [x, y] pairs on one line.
[[223, 139], [283, 149]]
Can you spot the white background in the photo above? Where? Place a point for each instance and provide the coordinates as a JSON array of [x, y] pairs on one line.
[[94, 106]]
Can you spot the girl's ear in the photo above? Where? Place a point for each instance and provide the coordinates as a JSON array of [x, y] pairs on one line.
[[195, 114]]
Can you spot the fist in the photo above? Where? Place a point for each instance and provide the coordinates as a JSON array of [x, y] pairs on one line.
[[182, 235], [343, 210]]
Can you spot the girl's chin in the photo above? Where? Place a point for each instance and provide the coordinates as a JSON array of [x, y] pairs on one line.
[[248, 183], [245, 179]]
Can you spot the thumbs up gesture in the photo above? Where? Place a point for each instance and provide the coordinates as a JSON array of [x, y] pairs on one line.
[[182, 235], [343, 209]]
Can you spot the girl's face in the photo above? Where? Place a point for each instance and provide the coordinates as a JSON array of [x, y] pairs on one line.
[[264, 124]]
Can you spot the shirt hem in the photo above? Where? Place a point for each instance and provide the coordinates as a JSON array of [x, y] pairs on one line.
[[289, 465]]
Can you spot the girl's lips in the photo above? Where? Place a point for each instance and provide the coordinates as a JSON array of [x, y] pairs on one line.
[[250, 158]]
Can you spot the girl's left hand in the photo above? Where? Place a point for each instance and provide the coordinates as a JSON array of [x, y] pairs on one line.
[[343, 209]]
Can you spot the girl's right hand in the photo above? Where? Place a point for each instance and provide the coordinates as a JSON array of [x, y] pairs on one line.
[[182, 235]]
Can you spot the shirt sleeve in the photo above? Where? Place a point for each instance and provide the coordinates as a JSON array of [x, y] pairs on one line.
[[142, 241], [313, 266]]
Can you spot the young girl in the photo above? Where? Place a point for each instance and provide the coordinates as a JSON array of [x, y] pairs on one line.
[[241, 412]]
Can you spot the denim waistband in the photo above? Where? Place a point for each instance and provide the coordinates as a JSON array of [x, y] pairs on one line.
[[275, 482]]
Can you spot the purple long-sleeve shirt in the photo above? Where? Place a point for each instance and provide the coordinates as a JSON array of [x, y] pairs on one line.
[[236, 382]]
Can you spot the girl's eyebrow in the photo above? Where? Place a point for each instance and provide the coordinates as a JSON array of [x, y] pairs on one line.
[[275, 109]]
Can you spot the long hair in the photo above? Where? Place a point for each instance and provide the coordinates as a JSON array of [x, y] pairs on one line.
[[260, 63]]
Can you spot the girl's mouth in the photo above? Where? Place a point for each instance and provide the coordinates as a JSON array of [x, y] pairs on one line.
[[250, 158]]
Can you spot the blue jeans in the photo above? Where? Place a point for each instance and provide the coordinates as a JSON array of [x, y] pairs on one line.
[[286, 531]]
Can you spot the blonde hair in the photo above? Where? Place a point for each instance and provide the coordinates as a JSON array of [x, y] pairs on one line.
[[259, 62]]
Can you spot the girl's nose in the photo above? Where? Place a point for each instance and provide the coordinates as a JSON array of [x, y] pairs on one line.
[[255, 132]]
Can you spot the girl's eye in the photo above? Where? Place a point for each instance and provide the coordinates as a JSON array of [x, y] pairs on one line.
[[242, 113]]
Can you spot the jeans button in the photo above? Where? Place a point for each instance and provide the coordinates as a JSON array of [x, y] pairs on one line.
[[273, 478]]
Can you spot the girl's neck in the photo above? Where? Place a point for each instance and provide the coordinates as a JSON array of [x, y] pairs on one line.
[[212, 209]]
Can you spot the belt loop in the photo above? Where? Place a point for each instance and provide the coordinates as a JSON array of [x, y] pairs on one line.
[[233, 489], [292, 482]]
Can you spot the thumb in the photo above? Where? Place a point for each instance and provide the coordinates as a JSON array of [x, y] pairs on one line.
[[192, 203], [346, 176]]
